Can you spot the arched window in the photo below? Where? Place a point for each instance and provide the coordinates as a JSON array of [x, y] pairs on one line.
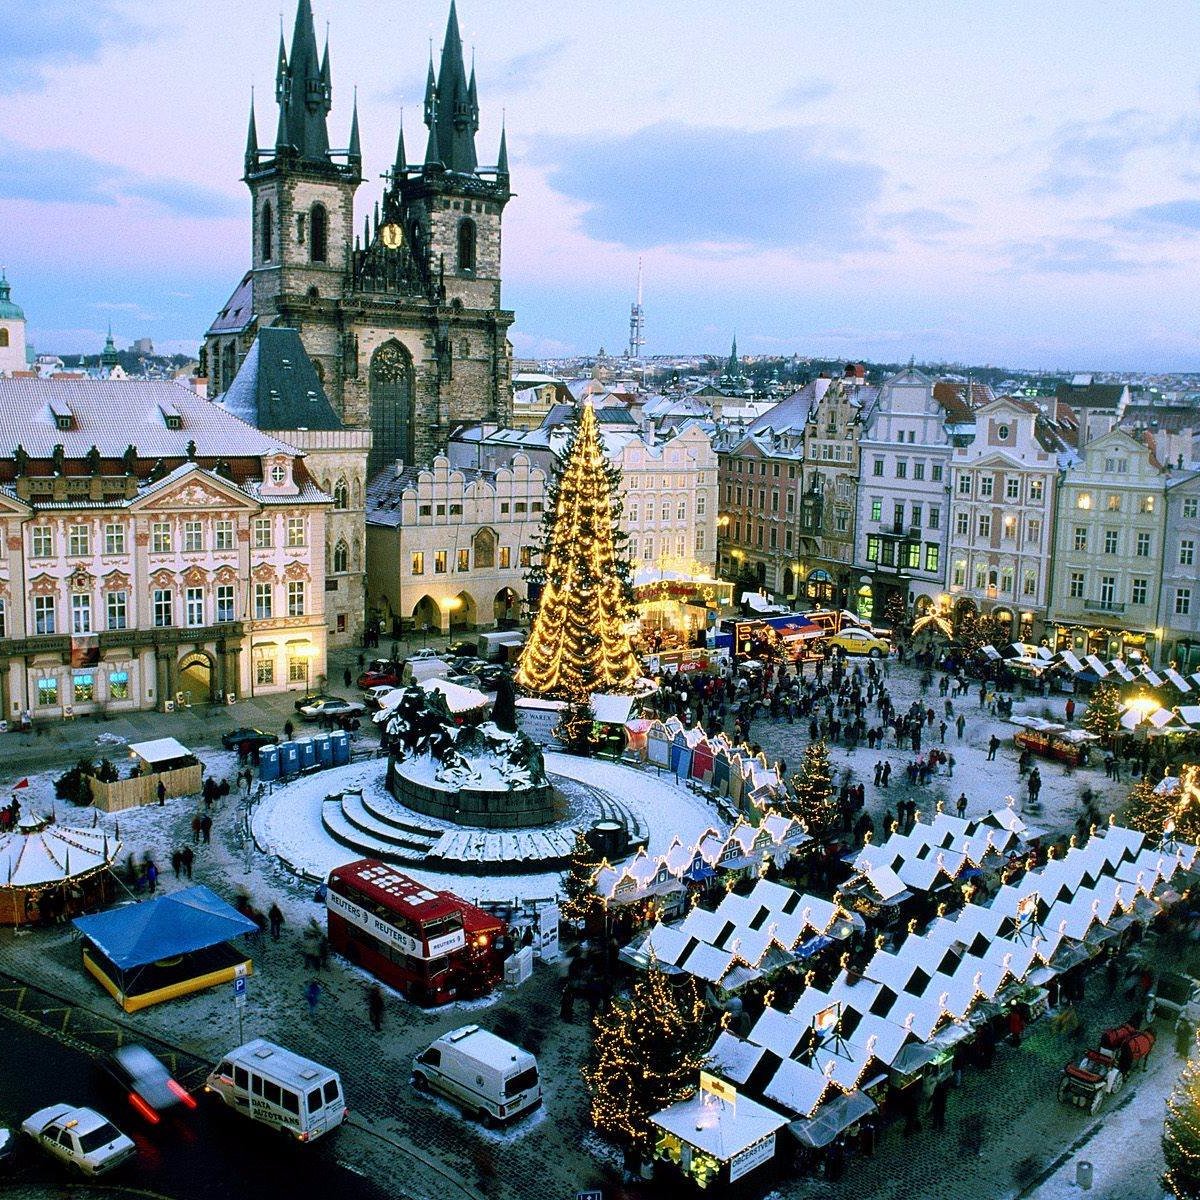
[[3, 337], [318, 227], [268, 230], [341, 495], [466, 245], [341, 558], [228, 363]]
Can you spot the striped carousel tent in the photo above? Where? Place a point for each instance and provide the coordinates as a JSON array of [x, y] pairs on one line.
[[49, 870]]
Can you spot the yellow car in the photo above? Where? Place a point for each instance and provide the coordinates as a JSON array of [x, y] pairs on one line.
[[857, 641]]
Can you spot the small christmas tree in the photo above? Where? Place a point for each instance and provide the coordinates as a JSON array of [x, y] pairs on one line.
[[646, 1055], [1103, 714], [579, 643], [812, 789], [1181, 1134], [581, 903]]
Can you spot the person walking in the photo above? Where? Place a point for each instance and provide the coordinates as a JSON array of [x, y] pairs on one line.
[[1070, 710], [347, 678], [176, 862], [960, 724], [187, 856], [375, 1007], [937, 1106], [162, 793], [206, 828], [151, 876], [312, 996], [993, 746], [196, 830], [962, 805], [886, 773], [275, 917]]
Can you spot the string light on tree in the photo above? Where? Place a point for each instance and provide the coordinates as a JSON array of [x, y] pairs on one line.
[[1181, 1133]]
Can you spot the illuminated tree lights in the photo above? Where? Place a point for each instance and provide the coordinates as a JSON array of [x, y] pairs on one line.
[[578, 644], [1103, 713], [1174, 813], [1181, 1134], [812, 788], [646, 1056], [578, 884]]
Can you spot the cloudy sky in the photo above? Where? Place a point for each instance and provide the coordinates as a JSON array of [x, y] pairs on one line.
[[1001, 181]]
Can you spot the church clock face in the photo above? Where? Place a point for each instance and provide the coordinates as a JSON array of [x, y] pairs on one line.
[[392, 236]]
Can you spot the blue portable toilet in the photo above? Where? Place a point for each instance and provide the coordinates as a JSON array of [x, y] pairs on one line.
[[268, 764], [324, 749], [289, 759], [339, 741], [308, 753]]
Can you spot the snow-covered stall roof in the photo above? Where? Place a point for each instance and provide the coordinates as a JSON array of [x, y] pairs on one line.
[[720, 1129], [37, 853], [159, 751]]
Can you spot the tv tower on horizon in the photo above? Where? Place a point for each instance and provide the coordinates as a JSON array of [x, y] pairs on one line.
[[637, 321]]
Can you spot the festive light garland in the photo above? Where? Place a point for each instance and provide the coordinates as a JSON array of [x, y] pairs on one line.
[[1181, 1133]]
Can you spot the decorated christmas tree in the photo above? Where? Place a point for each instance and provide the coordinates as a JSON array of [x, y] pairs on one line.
[[579, 644], [1103, 714], [812, 790], [1181, 1133], [646, 1055], [1170, 812], [581, 901]]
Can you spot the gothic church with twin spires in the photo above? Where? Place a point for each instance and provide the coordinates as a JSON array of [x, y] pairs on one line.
[[402, 319]]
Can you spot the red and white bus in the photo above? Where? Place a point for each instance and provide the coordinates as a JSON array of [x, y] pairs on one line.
[[430, 945]]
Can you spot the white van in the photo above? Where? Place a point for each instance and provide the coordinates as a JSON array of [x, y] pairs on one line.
[[418, 670], [489, 1078], [501, 646], [282, 1090]]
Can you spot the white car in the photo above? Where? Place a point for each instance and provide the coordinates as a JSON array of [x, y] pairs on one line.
[[374, 695], [80, 1137], [334, 706], [424, 652]]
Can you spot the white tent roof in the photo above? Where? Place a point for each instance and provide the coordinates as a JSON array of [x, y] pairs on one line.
[[720, 1129], [36, 854], [159, 750], [458, 698]]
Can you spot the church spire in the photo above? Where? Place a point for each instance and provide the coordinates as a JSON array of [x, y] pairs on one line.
[[354, 154], [502, 158], [401, 164], [304, 91], [251, 139], [451, 106]]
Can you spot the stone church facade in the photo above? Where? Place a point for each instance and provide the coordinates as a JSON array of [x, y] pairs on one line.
[[403, 320]]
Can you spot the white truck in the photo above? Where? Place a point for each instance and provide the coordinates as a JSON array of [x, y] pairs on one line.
[[500, 646], [490, 1079]]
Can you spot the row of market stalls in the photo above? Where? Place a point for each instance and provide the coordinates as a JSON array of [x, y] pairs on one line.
[[746, 939], [714, 859], [1037, 662], [880, 1038], [715, 765], [909, 874]]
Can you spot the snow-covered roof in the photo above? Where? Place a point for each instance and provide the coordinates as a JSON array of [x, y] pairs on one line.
[[159, 750], [720, 1129], [38, 852]]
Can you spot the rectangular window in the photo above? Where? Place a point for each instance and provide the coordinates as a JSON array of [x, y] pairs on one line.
[[964, 484], [1075, 585], [666, 506], [1147, 504], [1108, 590], [914, 516], [439, 562], [898, 515], [223, 535], [193, 536], [935, 517], [887, 553], [1110, 541], [1006, 580], [987, 484], [1187, 552], [872, 549], [160, 537], [264, 595], [1037, 489], [264, 672], [774, 504], [791, 503], [959, 575], [910, 555], [297, 673], [464, 560], [633, 513], [876, 510], [901, 468], [1143, 545], [1138, 591], [877, 467], [981, 576], [47, 692], [116, 604], [418, 563], [936, 473], [1191, 508], [262, 533], [193, 606], [701, 505], [118, 685], [79, 540], [295, 597], [81, 614], [225, 602], [1113, 502], [1183, 601], [1029, 583], [163, 608], [114, 539], [1012, 488], [774, 537], [932, 556], [295, 531], [699, 541], [526, 556], [1034, 529], [1081, 539], [41, 542], [681, 508], [505, 557], [985, 525], [43, 614], [919, 470]]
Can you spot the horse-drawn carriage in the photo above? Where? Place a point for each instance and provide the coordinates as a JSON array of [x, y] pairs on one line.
[[1102, 1072]]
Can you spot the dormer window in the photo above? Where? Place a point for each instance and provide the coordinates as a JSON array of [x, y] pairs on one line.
[[63, 422], [278, 474], [173, 420]]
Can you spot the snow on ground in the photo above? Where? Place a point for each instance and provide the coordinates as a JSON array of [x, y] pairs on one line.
[[287, 824]]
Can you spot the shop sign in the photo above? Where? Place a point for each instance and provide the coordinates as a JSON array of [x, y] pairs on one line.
[[718, 1087], [538, 719], [753, 1156]]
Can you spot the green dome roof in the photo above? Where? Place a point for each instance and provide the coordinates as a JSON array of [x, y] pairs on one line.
[[8, 310]]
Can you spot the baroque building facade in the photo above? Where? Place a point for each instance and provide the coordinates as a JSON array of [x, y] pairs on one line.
[[173, 558], [404, 322]]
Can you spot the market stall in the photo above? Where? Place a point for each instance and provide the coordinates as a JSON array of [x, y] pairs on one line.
[[164, 761], [49, 870], [170, 946]]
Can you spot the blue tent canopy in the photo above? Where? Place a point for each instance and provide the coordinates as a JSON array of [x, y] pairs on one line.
[[179, 923]]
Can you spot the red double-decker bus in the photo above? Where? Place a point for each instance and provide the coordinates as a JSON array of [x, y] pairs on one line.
[[430, 945]]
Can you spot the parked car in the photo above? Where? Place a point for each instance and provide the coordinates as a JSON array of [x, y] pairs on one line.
[[146, 1083], [1177, 995], [466, 649], [467, 681], [374, 695], [487, 675], [332, 706], [247, 739], [311, 698], [374, 675], [425, 652], [857, 641], [80, 1137]]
